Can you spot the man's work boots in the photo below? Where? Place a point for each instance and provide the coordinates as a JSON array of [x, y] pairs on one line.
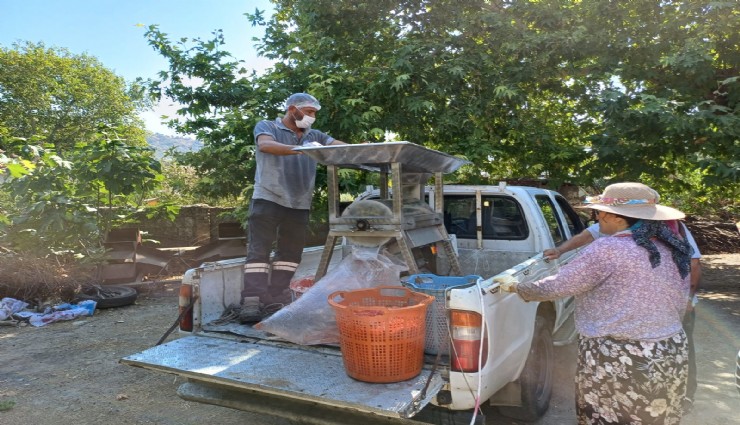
[[285, 297], [250, 310], [255, 309]]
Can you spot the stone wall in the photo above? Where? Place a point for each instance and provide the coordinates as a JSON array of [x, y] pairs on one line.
[[196, 225]]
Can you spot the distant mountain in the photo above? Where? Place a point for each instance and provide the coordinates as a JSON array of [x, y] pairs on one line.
[[162, 143]]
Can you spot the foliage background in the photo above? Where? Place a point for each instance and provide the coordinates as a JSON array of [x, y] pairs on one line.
[[586, 92]]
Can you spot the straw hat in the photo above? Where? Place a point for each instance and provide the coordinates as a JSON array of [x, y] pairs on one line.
[[632, 200]]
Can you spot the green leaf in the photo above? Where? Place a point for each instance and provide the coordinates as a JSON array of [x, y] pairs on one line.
[[17, 170]]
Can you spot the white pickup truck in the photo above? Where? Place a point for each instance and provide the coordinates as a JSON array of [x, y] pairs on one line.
[[503, 352]]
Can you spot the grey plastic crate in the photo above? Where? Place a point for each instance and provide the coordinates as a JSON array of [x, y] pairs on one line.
[[437, 338]]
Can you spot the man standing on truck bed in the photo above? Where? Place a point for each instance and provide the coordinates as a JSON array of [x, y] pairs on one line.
[[283, 189]]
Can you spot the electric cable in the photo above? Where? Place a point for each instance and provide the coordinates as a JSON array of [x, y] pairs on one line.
[[480, 351]]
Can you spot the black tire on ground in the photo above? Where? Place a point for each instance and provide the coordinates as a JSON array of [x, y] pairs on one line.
[[536, 378], [109, 296]]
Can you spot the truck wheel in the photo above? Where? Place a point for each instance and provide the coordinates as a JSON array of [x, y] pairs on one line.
[[536, 378], [109, 296]]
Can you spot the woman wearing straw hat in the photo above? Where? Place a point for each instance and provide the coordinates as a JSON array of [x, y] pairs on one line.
[[631, 290]]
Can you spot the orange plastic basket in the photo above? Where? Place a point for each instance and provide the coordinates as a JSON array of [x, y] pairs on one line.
[[381, 332]]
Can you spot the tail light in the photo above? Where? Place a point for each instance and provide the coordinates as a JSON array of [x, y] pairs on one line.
[[467, 341], [185, 308]]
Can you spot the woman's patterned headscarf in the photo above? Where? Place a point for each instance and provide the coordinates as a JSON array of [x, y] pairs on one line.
[[681, 250]]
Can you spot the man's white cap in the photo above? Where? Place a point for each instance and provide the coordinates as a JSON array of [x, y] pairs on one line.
[[302, 100]]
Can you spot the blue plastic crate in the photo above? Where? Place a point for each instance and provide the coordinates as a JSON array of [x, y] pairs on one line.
[[437, 338]]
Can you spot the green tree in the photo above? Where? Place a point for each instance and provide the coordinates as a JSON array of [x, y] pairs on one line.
[[73, 159], [573, 91], [669, 90], [66, 203], [64, 97]]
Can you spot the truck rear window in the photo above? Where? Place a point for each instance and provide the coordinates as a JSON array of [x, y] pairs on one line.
[[501, 217]]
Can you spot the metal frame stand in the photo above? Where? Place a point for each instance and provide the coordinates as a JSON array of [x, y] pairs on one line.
[[408, 231]]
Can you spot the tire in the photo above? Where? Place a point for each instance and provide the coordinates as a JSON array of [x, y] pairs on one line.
[[109, 296], [536, 378]]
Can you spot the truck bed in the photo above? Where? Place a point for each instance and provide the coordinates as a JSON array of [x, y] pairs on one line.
[[300, 373]]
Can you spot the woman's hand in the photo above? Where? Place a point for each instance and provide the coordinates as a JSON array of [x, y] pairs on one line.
[[507, 283]]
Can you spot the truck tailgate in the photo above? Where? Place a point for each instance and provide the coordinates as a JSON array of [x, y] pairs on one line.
[[293, 372]]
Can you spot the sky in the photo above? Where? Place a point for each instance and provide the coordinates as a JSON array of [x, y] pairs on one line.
[[113, 31]]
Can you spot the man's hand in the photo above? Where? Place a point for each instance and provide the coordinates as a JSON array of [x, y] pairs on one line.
[[507, 283], [551, 254]]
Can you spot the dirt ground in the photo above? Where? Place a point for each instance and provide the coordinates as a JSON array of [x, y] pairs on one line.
[[68, 372]]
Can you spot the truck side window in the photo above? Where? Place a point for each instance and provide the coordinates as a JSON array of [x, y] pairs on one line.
[[551, 218], [572, 219]]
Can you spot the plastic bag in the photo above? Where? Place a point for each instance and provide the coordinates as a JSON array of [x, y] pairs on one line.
[[10, 306], [310, 319], [59, 312]]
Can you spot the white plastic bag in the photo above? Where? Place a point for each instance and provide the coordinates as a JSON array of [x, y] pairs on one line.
[[59, 312], [10, 306], [310, 319]]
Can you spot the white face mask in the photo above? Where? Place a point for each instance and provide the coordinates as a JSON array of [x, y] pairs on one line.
[[304, 122]]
